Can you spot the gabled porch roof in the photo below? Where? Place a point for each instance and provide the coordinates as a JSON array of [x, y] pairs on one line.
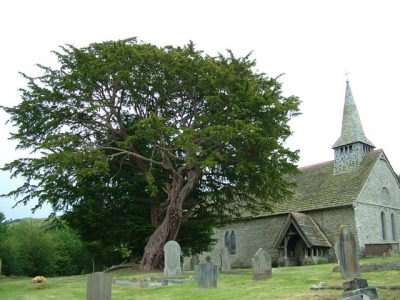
[[307, 229]]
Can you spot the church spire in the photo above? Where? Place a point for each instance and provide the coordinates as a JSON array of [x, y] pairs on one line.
[[352, 130], [352, 144]]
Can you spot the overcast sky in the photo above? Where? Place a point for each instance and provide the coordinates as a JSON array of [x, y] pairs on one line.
[[312, 43]]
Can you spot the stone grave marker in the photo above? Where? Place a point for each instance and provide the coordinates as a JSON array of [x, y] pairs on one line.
[[261, 263], [186, 263], [206, 275], [225, 260], [99, 286], [172, 259], [0, 266], [346, 253]]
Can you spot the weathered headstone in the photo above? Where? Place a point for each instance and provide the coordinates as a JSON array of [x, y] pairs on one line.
[[172, 259], [261, 263], [189, 262], [195, 260], [0, 266], [206, 275], [99, 286], [346, 253], [186, 263], [225, 260]]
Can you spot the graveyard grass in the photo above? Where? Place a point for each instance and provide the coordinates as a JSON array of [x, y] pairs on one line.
[[286, 283]]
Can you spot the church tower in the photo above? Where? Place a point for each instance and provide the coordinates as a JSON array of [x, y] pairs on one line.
[[352, 145]]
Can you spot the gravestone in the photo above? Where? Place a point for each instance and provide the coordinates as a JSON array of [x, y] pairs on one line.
[[261, 263], [186, 263], [225, 260], [206, 275], [195, 260], [0, 266], [172, 259], [189, 262], [346, 253], [99, 286]]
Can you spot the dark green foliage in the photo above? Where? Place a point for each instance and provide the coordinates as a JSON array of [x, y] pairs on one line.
[[114, 221], [121, 126], [72, 257], [30, 249]]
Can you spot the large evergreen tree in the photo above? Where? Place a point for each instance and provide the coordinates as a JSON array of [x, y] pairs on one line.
[[200, 135]]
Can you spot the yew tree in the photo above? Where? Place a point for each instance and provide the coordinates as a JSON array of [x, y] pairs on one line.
[[202, 135]]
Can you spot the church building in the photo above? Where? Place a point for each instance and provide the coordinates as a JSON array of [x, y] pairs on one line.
[[359, 188]]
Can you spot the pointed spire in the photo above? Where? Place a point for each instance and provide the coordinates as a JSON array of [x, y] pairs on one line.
[[352, 130]]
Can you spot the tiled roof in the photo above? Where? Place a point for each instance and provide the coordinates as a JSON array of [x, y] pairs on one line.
[[311, 230], [317, 187], [307, 229]]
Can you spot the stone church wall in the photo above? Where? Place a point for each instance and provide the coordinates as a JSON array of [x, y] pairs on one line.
[[379, 200], [262, 233], [330, 220], [250, 236]]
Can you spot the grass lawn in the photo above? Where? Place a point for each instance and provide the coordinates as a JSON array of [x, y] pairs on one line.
[[286, 283]]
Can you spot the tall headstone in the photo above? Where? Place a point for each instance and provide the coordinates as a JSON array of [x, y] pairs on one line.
[[0, 266], [99, 286], [206, 275], [172, 259], [186, 263], [225, 260], [261, 263], [195, 260], [346, 253]]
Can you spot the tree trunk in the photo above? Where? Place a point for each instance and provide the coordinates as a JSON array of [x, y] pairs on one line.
[[169, 228]]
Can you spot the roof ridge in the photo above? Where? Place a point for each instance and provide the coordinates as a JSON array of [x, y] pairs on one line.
[[315, 165]]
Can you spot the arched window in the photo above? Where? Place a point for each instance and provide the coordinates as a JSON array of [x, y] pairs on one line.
[[227, 242], [383, 224], [233, 243], [392, 223]]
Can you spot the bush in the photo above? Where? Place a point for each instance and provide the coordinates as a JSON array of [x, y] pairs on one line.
[[28, 248]]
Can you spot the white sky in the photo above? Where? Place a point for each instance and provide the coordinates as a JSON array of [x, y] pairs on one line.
[[312, 42]]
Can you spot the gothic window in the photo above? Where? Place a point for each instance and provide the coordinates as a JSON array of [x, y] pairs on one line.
[[383, 224], [385, 195], [393, 227], [230, 241], [233, 243], [227, 239]]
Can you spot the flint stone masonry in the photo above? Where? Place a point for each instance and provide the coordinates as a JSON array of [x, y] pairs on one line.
[[262, 233], [346, 253], [371, 203], [99, 286], [261, 265], [172, 259], [206, 275], [349, 161]]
